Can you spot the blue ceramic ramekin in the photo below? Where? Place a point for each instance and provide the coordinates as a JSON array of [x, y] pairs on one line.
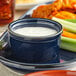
[[34, 50]]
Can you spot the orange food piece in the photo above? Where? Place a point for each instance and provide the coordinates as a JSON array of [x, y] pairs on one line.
[[68, 34], [64, 9], [64, 29], [53, 73], [65, 15], [73, 4], [42, 11]]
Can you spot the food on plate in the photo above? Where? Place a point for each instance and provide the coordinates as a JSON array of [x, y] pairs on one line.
[[53, 73], [69, 34], [42, 11], [64, 9], [68, 39], [59, 10], [71, 20], [66, 25], [65, 15], [68, 44]]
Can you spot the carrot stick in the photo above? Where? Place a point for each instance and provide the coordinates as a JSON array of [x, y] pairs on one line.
[[68, 34], [64, 29]]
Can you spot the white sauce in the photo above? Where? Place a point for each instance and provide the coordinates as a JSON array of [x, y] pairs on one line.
[[35, 31]]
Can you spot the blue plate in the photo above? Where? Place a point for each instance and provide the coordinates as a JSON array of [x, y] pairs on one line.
[[67, 58]]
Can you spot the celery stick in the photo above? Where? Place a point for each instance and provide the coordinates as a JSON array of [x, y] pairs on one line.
[[66, 24], [68, 44], [71, 20], [69, 28]]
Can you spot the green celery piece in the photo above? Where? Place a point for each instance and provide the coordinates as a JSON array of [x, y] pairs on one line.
[[71, 20], [65, 22], [68, 44], [70, 26]]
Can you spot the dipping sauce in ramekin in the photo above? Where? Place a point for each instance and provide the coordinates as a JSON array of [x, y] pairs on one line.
[[36, 31], [35, 40]]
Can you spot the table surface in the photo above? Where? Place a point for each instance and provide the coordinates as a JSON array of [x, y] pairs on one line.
[[5, 71]]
